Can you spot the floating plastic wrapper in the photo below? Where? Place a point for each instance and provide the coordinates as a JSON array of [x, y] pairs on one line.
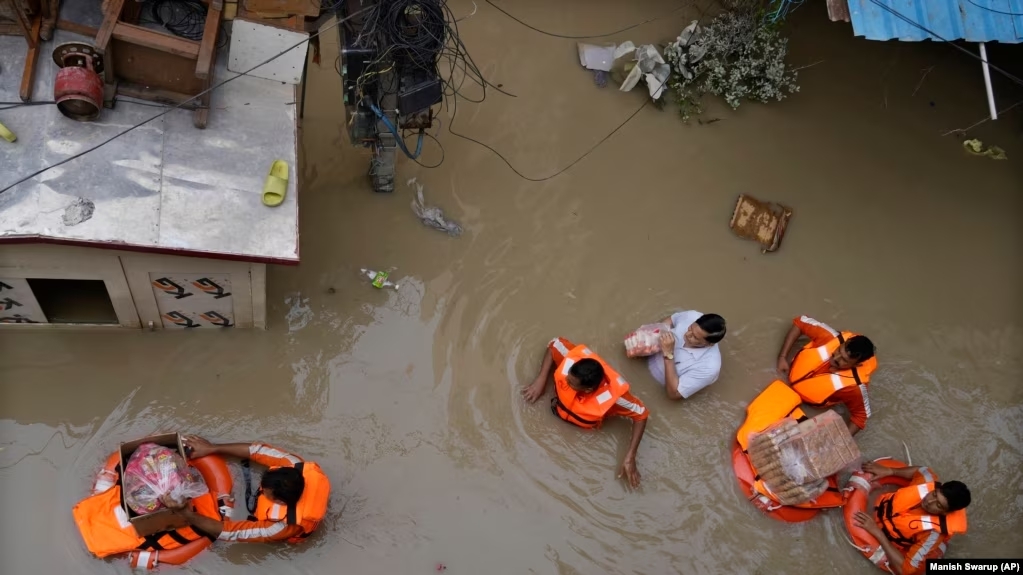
[[155, 474]]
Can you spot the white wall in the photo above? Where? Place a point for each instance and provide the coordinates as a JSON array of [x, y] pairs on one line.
[[218, 291]]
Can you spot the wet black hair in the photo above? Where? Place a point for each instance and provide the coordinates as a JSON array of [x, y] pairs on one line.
[[589, 372], [956, 493], [714, 325], [286, 483], [860, 348]]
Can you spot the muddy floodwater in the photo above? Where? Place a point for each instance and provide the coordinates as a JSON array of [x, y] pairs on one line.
[[410, 398]]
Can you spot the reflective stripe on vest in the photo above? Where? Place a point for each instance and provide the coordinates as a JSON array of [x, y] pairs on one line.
[[586, 410]]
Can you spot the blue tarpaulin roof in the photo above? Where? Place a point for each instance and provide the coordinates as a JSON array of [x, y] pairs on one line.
[[971, 20]]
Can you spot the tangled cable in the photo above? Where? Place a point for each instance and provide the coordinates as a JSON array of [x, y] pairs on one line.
[[184, 18], [416, 30]]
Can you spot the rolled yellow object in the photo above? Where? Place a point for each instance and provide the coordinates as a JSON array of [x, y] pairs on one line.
[[7, 134]]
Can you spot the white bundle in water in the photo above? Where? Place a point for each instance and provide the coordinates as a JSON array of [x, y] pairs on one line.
[[646, 340]]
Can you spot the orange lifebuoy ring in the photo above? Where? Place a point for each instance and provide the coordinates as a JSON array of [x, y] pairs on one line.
[[858, 500], [214, 471], [747, 478]]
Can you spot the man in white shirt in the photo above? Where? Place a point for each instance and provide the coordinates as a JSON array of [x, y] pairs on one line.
[[694, 360]]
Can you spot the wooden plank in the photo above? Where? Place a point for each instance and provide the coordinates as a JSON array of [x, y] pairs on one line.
[[28, 75], [284, 7], [153, 68], [110, 18], [209, 42], [838, 10], [156, 40], [201, 116], [77, 28], [159, 95]]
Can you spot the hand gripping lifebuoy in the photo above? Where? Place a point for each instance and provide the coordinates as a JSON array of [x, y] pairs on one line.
[[862, 486], [214, 471]]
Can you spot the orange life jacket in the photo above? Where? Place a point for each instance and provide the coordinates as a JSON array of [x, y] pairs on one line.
[[587, 410], [901, 518], [815, 388], [311, 507], [104, 525]]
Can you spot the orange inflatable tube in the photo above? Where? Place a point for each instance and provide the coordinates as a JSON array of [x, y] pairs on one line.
[[214, 471], [858, 501]]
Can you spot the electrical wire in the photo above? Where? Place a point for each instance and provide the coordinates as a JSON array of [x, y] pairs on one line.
[[569, 37], [326, 28], [995, 11], [184, 18], [916, 24]]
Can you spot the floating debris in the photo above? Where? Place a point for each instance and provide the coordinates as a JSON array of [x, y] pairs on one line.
[[762, 222], [432, 216], [976, 147]]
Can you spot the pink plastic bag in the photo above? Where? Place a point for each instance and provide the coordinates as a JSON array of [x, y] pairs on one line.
[[645, 341], [155, 472]]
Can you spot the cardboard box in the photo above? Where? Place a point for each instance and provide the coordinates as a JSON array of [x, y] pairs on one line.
[[164, 519]]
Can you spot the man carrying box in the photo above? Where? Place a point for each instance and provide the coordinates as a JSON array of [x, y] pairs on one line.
[[292, 498]]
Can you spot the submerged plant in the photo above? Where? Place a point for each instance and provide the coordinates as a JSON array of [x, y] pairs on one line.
[[735, 57]]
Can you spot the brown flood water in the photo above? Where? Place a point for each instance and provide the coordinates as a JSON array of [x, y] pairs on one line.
[[410, 401]]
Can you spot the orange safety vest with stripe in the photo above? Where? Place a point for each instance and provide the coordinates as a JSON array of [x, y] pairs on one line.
[[815, 388], [587, 410], [311, 507], [104, 525], [901, 518]]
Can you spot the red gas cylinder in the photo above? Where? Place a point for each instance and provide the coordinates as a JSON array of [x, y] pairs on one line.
[[78, 88]]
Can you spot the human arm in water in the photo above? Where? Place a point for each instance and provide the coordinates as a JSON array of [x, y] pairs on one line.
[[786, 347], [261, 453], [241, 531], [895, 556], [879, 471], [628, 469], [535, 390]]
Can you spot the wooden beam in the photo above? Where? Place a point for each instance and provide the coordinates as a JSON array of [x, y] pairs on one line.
[[209, 42], [28, 75], [110, 18], [69, 26], [156, 40]]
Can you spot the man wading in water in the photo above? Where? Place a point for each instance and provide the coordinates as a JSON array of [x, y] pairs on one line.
[[588, 391]]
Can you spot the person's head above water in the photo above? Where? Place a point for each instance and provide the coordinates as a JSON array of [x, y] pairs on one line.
[[283, 485], [707, 330], [853, 352], [585, 375], [946, 498]]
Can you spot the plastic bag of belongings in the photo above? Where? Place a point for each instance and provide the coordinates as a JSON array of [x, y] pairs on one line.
[[155, 475], [646, 340], [795, 459]]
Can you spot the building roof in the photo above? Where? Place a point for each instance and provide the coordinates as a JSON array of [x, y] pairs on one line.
[[971, 20], [165, 187]]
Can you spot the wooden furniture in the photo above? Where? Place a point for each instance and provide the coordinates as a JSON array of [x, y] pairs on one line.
[[35, 20], [152, 65]]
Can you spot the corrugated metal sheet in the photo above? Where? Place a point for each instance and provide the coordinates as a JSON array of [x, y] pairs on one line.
[[972, 20]]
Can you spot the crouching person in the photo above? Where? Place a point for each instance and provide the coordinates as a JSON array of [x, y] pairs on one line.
[[291, 502]]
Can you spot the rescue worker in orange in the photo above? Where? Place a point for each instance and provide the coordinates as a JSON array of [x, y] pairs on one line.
[[588, 391], [833, 367], [292, 497], [915, 523]]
